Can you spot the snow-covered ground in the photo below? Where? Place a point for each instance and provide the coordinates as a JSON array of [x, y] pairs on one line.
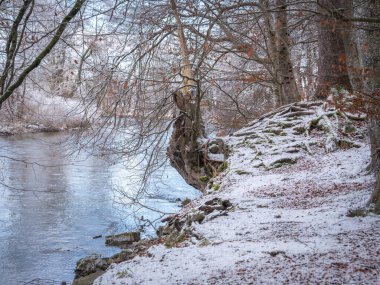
[[288, 224]]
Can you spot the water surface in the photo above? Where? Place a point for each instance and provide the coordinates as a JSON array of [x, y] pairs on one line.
[[56, 205]]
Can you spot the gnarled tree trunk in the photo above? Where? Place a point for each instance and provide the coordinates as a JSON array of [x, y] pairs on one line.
[[184, 151]]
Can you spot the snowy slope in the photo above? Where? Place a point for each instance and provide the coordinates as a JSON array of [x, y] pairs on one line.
[[292, 177]]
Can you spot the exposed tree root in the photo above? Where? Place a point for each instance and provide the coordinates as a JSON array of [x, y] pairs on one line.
[[304, 118]]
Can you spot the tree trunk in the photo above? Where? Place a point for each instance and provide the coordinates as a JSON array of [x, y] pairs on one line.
[[184, 151], [332, 69], [288, 87], [285, 89], [273, 54], [351, 48], [371, 64]]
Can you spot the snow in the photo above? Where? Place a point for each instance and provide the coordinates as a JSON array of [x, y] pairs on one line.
[[288, 224], [216, 157]]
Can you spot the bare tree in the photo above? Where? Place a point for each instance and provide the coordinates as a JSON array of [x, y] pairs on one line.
[[332, 68], [16, 67]]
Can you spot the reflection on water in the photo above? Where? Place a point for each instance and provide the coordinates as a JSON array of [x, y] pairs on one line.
[[58, 204]]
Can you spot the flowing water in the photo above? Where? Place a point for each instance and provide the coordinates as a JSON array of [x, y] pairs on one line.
[[52, 208]]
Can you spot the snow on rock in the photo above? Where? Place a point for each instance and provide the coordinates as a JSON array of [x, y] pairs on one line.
[[288, 221]]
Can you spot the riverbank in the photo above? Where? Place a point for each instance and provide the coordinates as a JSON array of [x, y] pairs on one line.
[[41, 112], [23, 127], [290, 207]]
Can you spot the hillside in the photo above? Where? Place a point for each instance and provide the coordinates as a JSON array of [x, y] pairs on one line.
[[289, 207]]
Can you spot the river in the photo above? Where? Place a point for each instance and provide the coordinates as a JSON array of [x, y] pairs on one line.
[[56, 204]]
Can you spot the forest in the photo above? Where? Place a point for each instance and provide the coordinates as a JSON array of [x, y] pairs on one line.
[[227, 93]]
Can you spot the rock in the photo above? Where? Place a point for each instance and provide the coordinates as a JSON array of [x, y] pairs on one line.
[[357, 213], [166, 230], [168, 218], [134, 249], [216, 141], [89, 279], [160, 231], [172, 237], [122, 239], [219, 203], [198, 217], [91, 264], [226, 204], [5, 133], [185, 202], [207, 209], [174, 225], [122, 256], [213, 148], [213, 201], [278, 162]]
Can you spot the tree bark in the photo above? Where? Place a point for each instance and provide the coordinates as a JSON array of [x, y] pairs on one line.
[[184, 152], [332, 69], [288, 86], [371, 64], [285, 88], [273, 54]]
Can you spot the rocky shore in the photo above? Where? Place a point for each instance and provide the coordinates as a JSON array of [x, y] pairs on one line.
[[176, 230], [289, 206]]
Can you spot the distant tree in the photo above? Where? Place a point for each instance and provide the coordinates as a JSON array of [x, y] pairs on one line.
[[332, 58]]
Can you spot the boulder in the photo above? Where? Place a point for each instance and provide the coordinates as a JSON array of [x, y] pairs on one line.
[[214, 148], [123, 239], [91, 264], [89, 279], [198, 217]]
